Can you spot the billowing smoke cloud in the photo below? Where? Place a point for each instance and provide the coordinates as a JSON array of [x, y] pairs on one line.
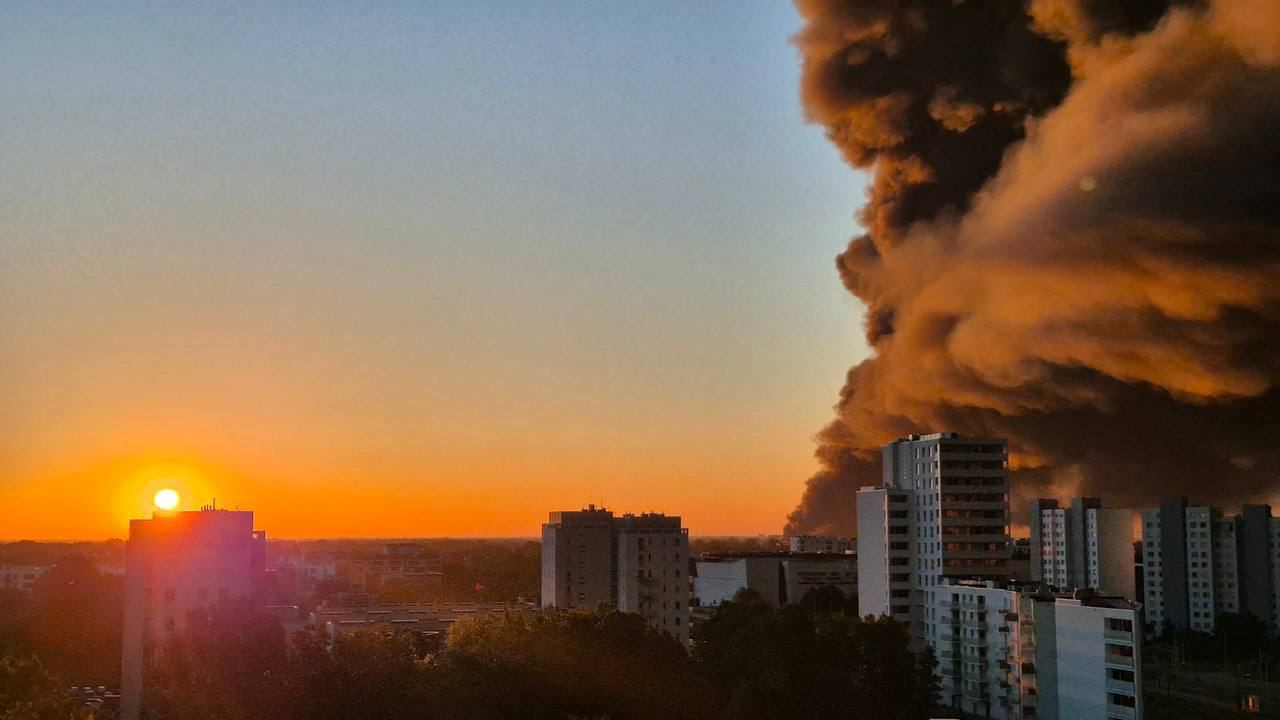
[[1073, 239]]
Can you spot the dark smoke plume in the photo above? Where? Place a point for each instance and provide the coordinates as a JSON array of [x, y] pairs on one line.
[[1073, 239]]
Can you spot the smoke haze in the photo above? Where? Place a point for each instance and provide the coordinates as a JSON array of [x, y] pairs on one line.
[[1073, 239]]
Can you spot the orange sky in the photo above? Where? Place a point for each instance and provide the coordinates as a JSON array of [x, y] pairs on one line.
[[367, 277]]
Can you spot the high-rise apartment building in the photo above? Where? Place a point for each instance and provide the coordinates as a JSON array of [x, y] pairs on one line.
[[1083, 545], [1200, 562], [940, 512], [179, 566], [1015, 653], [636, 563]]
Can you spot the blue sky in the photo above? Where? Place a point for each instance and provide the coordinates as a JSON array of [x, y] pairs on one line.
[[558, 249]]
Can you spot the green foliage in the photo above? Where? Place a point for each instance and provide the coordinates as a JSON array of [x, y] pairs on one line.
[[230, 665], [29, 692], [790, 663], [568, 664], [71, 621], [74, 623]]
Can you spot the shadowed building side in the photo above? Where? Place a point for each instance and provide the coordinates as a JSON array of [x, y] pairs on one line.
[[178, 565]]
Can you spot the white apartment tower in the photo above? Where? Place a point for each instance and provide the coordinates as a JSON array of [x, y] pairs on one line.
[[1013, 653], [177, 566], [1199, 562], [635, 563], [1082, 546], [940, 512]]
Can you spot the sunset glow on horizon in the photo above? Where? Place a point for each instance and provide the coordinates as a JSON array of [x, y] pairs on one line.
[[348, 271]]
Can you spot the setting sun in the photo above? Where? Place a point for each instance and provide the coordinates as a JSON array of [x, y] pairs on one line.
[[167, 499]]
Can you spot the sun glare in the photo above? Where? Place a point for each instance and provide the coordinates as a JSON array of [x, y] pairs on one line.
[[167, 499]]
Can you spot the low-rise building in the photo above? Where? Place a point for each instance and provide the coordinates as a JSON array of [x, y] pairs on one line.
[[779, 578], [823, 544], [20, 577], [430, 622]]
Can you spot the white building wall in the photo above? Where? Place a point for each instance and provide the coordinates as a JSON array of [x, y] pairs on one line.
[[1098, 663], [873, 552]]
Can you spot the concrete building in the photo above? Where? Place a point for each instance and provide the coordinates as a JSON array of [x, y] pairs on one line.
[[822, 544], [20, 577], [430, 622], [178, 567], [779, 578], [1199, 562], [635, 563], [394, 566], [1082, 546], [940, 512], [1014, 652]]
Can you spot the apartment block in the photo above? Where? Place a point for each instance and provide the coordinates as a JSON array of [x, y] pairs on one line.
[[635, 563], [1200, 562], [940, 512], [178, 567], [1014, 652], [1083, 545]]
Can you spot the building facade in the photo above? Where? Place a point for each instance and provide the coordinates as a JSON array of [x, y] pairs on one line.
[[20, 578], [1199, 562], [635, 563], [178, 567], [822, 544], [1083, 545], [1017, 652], [940, 512], [779, 578]]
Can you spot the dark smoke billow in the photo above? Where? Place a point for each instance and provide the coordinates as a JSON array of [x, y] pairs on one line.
[[1073, 239]]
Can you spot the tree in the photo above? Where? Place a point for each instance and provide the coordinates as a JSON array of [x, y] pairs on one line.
[[73, 624], [231, 664], [552, 666], [29, 692], [791, 662], [829, 599]]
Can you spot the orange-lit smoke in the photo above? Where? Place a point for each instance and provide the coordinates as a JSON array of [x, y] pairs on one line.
[[1073, 238]]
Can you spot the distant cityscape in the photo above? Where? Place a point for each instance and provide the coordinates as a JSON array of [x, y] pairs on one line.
[[1050, 626]]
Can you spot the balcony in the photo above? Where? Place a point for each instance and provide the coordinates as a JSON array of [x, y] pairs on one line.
[[1119, 661], [1123, 636], [1120, 711], [1121, 686]]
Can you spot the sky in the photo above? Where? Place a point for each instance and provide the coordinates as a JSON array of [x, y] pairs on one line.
[[413, 269]]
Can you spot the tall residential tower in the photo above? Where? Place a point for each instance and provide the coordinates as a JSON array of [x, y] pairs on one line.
[[179, 566], [940, 512], [1082, 546], [635, 563]]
